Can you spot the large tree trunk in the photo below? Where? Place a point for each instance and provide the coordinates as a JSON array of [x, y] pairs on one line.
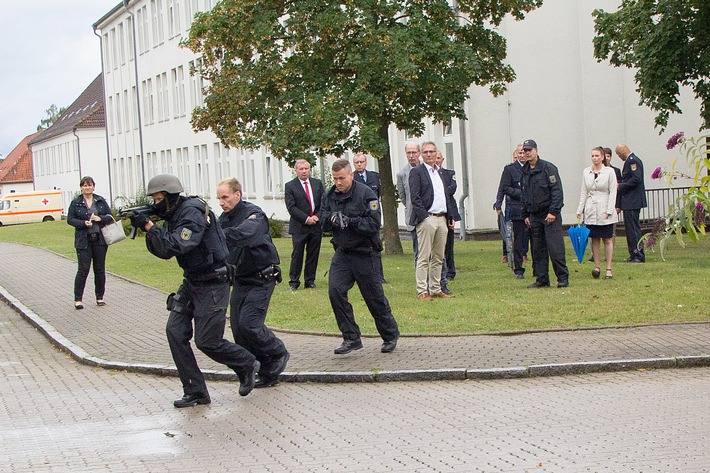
[[393, 245]]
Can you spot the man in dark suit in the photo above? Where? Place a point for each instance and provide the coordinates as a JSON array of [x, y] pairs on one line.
[[369, 178], [509, 189], [303, 199], [632, 198], [430, 216], [449, 177], [372, 180]]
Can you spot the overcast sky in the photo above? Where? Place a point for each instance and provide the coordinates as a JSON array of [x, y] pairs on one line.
[[49, 55]]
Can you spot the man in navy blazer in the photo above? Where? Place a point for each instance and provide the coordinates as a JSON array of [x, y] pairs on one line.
[[631, 199], [450, 186], [303, 199], [430, 215]]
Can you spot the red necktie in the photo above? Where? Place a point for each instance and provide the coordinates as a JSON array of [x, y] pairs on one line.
[[308, 195]]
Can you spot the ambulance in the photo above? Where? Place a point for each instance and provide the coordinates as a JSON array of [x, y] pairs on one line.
[[30, 207]]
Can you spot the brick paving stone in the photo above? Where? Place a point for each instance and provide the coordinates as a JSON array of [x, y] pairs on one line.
[[129, 333]]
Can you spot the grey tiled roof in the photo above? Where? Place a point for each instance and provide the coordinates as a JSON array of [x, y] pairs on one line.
[[87, 111]]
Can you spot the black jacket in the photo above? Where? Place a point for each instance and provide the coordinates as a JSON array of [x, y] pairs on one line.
[[450, 186], [373, 181], [78, 214], [632, 191], [246, 228], [510, 188], [362, 207], [541, 189], [195, 240]]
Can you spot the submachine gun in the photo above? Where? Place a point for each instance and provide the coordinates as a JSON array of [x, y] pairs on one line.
[[146, 210]]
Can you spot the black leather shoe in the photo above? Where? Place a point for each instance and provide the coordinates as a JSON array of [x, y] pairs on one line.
[[310, 286], [278, 366], [389, 346], [564, 283], [189, 400], [293, 288], [519, 276], [445, 290], [265, 382], [247, 384], [536, 284], [347, 346]]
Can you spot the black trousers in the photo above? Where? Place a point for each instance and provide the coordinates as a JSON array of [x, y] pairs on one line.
[[449, 255], [96, 253], [308, 243], [520, 243], [548, 245], [248, 306], [345, 270], [632, 227], [205, 304]]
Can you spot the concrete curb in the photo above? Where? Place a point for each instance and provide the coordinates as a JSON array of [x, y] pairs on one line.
[[443, 374]]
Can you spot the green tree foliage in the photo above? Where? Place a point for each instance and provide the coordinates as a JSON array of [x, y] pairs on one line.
[[309, 78], [52, 115], [668, 42]]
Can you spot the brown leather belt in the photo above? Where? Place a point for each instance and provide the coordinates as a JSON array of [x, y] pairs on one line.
[[443, 214]]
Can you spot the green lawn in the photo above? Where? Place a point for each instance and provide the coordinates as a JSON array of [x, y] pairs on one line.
[[488, 297]]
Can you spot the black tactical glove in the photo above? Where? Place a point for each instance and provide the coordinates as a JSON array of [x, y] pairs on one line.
[[139, 221], [339, 220]]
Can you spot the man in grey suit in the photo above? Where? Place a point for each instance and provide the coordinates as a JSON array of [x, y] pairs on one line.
[[413, 154]]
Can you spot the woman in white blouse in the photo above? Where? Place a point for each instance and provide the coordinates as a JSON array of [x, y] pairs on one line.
[[597, 203]]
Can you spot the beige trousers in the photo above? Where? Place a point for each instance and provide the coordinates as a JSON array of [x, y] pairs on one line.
[[431, 236]]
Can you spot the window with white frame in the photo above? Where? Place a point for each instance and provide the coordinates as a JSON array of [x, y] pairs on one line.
[[126, 111], [168, 161], [134, 106], [107, 55], [129, 36], [109, 115], [173, 11], [114, 47], [117, 107], [178, 80], [121, 44], [156, 8]]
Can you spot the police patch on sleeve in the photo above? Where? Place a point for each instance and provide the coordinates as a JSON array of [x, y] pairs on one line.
[[374, 205], [186, 234], [633, 167], [553, 179]]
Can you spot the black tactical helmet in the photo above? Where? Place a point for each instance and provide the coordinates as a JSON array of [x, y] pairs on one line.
[[164, 183]]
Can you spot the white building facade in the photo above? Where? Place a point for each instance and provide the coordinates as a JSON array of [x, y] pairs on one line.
[[562, 98]]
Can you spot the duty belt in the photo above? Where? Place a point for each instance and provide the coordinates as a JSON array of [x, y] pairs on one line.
[[216, 276]]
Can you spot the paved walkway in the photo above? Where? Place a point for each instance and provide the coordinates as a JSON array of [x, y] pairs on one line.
[[128, 333]]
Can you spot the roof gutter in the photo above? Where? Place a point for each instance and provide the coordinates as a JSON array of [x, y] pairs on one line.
[[78, 150]]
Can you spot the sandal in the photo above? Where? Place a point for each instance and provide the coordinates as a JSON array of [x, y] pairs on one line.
[[100, 302], [595, 273], [78, 305], [608, 274]]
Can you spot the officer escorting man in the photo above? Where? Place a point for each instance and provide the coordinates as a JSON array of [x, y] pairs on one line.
[[256, 272], [351, 211], [542, 203], [192, 235]]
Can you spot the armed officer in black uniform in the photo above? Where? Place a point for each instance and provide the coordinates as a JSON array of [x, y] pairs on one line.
[[256, 272], [192, 235], [351, 211], [542, 205]]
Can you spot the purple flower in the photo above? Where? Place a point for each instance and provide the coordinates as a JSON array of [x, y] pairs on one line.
[[699, 206], [650, 242], [675, 140], [657, 173]]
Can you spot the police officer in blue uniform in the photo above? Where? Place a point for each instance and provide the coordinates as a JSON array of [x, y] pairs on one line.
[[542, 203], [352, 212], [255, 263], [631, 199], [192, 235]]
